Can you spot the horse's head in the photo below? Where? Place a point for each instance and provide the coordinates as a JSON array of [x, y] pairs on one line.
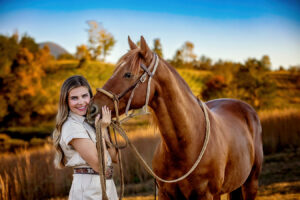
[[128, 76]]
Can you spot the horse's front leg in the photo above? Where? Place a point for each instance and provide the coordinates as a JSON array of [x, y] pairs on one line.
[[163, 196], [217, 197]]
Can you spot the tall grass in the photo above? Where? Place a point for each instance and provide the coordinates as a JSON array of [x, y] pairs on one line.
[[30, 174], [281, 129]]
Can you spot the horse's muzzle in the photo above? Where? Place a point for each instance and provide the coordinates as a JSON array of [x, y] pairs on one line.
[[92, 113]]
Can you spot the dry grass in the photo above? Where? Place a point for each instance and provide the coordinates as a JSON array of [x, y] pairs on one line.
[[281, 129], [30, 174]]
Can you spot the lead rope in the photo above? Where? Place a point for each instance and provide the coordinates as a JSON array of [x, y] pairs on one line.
[[100, 150]]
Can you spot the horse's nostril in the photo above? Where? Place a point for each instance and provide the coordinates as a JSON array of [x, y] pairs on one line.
[[94, 110]]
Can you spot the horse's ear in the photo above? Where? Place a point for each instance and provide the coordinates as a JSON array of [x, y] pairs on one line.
[[146, 51], [131, 44]]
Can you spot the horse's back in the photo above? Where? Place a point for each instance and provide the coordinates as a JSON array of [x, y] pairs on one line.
[[228, 109]]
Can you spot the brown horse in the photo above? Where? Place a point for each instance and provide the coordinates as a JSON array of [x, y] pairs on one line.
[[233, 158]]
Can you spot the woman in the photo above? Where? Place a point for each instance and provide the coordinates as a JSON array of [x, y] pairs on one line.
[[75, 141]]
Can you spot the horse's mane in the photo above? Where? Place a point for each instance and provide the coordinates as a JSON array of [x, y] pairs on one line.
[[179, 78]]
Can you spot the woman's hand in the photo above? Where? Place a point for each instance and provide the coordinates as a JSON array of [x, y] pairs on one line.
[[106, 117]]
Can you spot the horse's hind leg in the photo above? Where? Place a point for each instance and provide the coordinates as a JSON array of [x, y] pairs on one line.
[[236, 194], [250, 187]]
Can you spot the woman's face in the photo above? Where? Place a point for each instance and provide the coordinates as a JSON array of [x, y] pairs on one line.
[[78, 100]]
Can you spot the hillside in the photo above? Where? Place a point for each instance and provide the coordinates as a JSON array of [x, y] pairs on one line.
[[55, 49], [287, 93]]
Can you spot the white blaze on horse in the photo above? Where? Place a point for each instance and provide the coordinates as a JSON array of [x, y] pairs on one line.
[[233, 157]]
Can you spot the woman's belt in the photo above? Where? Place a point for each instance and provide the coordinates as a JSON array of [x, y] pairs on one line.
[[108, 172]]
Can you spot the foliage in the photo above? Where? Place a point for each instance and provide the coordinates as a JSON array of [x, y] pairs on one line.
[[157, 48], [249, 82], [66, 56], [185, 56], [101, 42], [21, 81]]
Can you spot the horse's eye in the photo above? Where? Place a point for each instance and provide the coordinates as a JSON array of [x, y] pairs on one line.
[[127, 75]]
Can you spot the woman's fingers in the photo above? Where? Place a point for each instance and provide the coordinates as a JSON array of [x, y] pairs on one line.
[[106, 116], [97, 119]]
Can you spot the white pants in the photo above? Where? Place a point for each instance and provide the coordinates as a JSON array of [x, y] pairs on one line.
[[87, 186]]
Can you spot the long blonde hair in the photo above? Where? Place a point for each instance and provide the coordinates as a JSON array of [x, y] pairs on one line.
[[63, 112]]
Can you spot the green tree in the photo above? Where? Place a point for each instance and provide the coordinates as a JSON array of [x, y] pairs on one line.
[[253, 84], [177, 60], [101, 42], [204, 63], [8, 50], [157, 48], [29, 43]]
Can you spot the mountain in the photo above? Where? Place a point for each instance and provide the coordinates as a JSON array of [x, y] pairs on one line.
[[55, 49]]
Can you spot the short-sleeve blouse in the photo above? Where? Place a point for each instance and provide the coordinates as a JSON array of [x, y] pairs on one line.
[[76, 127]]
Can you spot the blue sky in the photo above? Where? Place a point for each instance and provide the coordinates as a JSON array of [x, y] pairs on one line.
[[227, 30]]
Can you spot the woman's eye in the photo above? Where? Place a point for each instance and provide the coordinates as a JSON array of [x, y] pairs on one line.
[[73, 98], [127, 75]]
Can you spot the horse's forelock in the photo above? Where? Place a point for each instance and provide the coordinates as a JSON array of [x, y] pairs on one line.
[[134, 58]]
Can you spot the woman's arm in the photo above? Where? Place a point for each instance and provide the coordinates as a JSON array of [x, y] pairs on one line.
[[87, 150]]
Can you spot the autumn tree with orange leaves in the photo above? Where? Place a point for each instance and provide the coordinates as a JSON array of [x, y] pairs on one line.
[[21, 79]]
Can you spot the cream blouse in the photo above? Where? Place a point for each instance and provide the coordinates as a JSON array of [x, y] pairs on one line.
[[76, 127]]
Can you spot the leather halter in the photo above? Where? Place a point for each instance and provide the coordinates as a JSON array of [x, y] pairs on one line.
[[140, 80]]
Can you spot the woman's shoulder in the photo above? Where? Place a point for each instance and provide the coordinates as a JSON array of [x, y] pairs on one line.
[[72, 129], [71, 124]]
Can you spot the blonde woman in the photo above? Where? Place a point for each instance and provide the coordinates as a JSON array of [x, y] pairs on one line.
[[75, 141]]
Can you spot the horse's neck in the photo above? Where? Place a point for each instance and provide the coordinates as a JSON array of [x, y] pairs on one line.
[[179, 115]]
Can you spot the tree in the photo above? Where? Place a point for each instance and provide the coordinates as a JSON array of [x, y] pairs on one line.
[[82, 52], [22, 96], [188, 52], [214, 87], [185, 57], [177, 60], [157, 48], [29, 43], [8, 50], [253, 84], [101, 42], [204, 63], [266, 62]]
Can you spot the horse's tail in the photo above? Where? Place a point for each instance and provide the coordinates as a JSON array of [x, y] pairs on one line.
[[236, 194]]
